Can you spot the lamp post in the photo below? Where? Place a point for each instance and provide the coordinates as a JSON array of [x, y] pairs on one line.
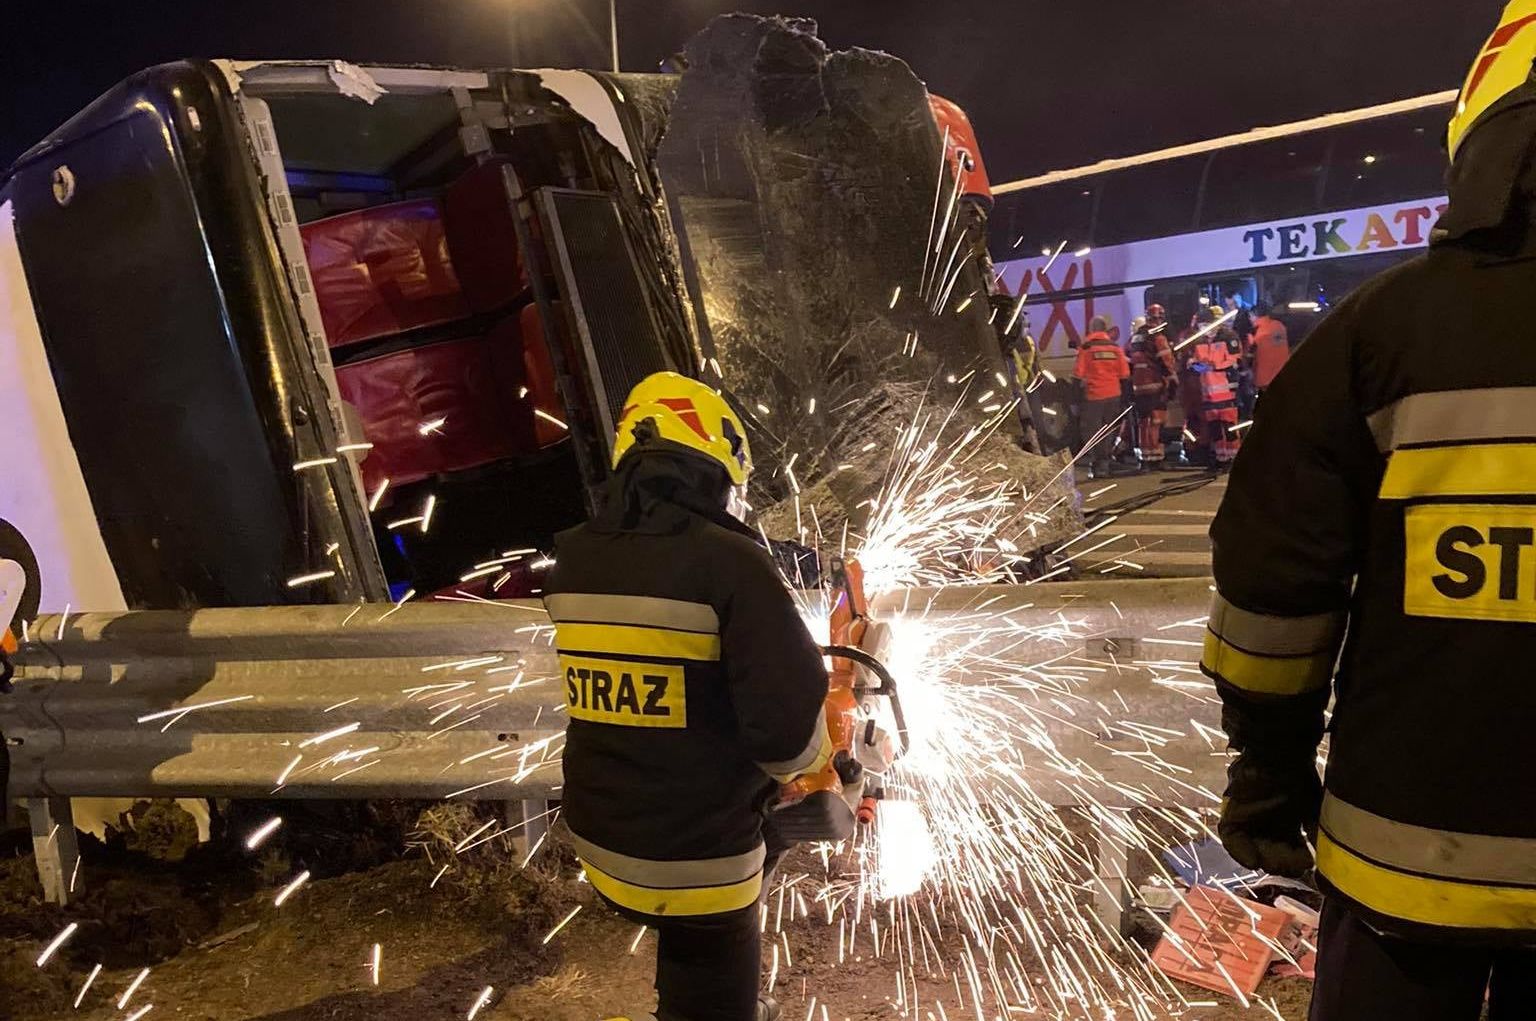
[[613, 30]]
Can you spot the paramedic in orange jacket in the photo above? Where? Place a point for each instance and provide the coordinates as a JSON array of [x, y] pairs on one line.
[[1101, 373], [1269, 347]]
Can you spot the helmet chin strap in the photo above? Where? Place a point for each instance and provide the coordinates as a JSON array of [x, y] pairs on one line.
[[736, 503]]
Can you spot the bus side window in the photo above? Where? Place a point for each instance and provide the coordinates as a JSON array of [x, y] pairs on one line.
[[1389, 160], [1151, 201], [1264, 181]]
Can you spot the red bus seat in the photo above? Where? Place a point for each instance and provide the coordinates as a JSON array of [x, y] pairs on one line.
[[382, 270], [469, 385], [482, 238]]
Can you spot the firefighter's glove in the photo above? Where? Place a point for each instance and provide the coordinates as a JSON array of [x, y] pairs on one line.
[[1269, 815]]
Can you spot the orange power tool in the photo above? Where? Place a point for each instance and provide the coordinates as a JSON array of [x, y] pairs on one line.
[[829, 804]]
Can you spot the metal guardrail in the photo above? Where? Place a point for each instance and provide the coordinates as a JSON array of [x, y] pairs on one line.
[[429, 700], [1137, 664], [432, 700]]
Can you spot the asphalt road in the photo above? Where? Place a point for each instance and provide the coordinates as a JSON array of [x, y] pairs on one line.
[[1152, 525]]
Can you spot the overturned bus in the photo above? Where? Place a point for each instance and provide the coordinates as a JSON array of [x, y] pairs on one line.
[[278, 332]]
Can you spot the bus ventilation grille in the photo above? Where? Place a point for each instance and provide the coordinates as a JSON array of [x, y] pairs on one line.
[[601, 280]]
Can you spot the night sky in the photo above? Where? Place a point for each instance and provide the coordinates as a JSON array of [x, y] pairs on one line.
[[1048, 84]]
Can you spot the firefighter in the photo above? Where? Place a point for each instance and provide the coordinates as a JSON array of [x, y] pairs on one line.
[[1215, 361], [1101, 374], [1021, 361], [693, 690], [1379, 533], [1154, 381], [1269, 348]]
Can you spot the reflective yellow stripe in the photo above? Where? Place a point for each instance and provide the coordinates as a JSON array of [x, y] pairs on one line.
[[1423, 850], [703, 900], [1272, 635], [815, 757], [1444, 416], [1268, 675], [646, 611], [1424, 900], [624, 640], [1473, 469]]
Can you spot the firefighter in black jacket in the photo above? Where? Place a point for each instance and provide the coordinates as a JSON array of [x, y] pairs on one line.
[[693, 690], [1388, 492]]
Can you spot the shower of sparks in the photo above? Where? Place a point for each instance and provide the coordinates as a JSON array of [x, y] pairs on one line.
[[1212, 328], [480, 1002], [299, 581], [972, 875], [140, 1012], [58, 941], [133, 987], [374, 961], [181, 711], [291, 888], [317, 462], [378, 496], [261, 833], [563, 923], [86, 988], [329, 734], [971, 879], [551, 419]]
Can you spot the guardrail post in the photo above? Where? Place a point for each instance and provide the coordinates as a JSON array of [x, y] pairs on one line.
[[54, 846], [532, 819], [1112, 891]]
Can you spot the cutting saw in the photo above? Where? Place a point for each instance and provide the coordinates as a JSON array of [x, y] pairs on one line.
[[864, 720]]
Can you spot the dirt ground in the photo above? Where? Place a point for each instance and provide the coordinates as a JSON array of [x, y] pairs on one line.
[[218, 948]]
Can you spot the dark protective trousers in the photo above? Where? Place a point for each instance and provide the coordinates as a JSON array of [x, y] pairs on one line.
[[1095, 416], [709, 967], [1364, 976], [1151, 416]]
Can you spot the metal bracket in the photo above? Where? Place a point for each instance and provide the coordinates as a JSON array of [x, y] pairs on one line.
[[55, 847], [1122, 647]]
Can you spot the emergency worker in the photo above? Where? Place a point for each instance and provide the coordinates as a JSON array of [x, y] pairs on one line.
[[1269, 348], [1385, 505], [693, 690], [1101, 373], [1021, 362], [1189, 392], [1215, 361], [1154, 381]]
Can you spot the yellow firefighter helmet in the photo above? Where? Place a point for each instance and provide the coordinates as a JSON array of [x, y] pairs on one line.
[[687, 414], [1503, 66]]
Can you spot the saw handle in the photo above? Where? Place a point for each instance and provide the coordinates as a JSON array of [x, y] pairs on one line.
[[887, 683]]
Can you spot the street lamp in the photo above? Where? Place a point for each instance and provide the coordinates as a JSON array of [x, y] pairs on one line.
[[613, 30]]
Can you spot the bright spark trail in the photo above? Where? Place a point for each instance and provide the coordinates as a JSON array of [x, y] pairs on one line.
[[974, 880], [975, 886]]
